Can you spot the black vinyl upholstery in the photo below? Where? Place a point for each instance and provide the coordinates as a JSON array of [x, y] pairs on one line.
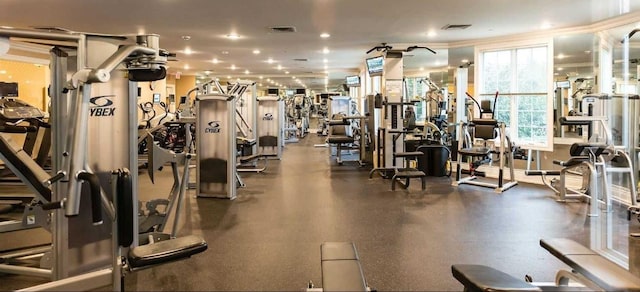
[[482, 278], [165, 251], [341, 269]]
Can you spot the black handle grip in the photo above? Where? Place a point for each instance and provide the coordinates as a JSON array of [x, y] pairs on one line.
[[52, 206], [17, 129], [60, 175], [96, 204]]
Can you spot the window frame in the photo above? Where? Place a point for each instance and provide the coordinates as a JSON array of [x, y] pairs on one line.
[[515, 45]]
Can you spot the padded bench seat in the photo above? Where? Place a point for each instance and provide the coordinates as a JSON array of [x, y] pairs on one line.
[[408, 154], [475, 151], [586, 262], [483, 278], [165, 251], [341, 269], [340, 139], [249, 158], [407, 174]]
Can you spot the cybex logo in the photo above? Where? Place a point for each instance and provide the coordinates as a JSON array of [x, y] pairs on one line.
[[102, 106], [267, 117], [213, 127]]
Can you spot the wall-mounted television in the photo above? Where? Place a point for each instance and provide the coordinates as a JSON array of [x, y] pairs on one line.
[[289, 92], [156, 98], [353, 81], [272, 91], [563, 84], [8, 89], [301, 91], [375, 66]]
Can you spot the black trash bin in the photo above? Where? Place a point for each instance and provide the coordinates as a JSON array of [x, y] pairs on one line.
[[434, 162]]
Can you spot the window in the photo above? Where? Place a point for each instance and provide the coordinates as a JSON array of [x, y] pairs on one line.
[[415, 90], [522, 78]]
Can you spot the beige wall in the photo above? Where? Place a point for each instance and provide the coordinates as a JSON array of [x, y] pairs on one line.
[[32, 81]]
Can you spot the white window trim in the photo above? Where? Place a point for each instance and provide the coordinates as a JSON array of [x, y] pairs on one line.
[[548, 41]]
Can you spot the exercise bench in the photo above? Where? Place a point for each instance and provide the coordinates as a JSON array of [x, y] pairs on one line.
[[588, 268], [341, 270]]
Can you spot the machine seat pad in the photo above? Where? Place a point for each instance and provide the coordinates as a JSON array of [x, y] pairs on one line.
[[475, 151], [596, 268], [408, 154], [565, 122], [165, 251], [340, 139], [339, 123], [341, 270], [408, 173], [542, 172], [249, 158], [573, 161], [483, 278]]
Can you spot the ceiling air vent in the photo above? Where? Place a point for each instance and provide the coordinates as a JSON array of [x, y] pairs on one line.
[[282, 29], [456, 26], [301, 60]]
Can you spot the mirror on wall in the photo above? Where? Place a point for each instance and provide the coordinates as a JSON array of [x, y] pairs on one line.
[[574, 77]]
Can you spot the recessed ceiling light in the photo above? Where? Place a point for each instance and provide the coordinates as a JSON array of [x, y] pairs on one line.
[[228, 77], [421, 68], [233, 36], [225, 52], [270, 61], [465, 61], [207, 72], [432, 33], [560, 69], [256, 52], [279, 67], [587, 52], [546, 25], [215, 61], [186, 66], [3, 71], [325, 51], [233, 67], [186, 37], [187, 51], [324, 35], [293, 77], [246, 71], [325, 60], [560, 56], [437, 63], [260, 77], [260, 84], [286, 72]]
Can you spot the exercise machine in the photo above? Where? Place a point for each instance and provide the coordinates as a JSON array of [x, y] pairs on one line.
[[95, 105], [216, 130], [590, 270], [480, 145]]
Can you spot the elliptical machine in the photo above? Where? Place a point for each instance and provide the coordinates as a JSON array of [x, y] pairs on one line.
[[479, 147]]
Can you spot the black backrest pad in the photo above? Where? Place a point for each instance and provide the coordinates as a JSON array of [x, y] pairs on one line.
[[578, 149], [124, 208], [485, 128]]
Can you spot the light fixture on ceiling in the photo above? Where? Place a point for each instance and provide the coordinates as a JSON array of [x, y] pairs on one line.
[[464, 61], [207, 72], [560, 69], [324, 35], [421, 68], [186, 66], [215, 61], [260, 77], [246, 71], [228, 77], [286, 72], [325, 60], [432, 33], [260, 84], [186, 37], [560, 56], [187, 51], [293, 77], [225, 52], [279, 67], [233, 36], [233, 67], [546, 25], [270, 61], [325, 51], [256, 52]]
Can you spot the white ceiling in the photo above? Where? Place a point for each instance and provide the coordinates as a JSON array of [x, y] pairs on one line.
[[355, 27]]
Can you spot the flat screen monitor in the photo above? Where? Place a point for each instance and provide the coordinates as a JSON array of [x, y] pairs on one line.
[[375, 66], [272, 91], [353, 81], [156, 98], [301, 91], [8, 89], [290, 92]]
